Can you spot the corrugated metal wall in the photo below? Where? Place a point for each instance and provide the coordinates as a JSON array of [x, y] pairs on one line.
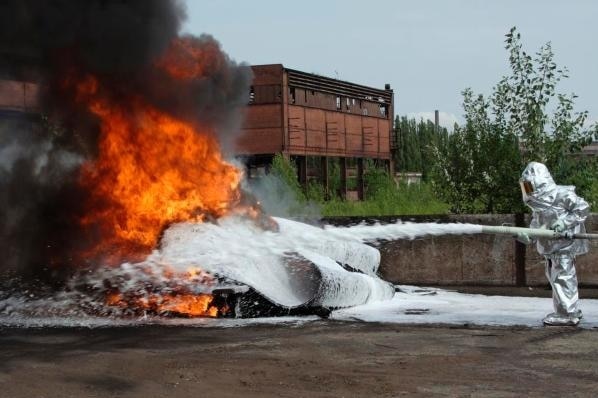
[[305, 114]]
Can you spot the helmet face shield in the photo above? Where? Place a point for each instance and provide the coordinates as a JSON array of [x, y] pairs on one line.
[[527, 188]]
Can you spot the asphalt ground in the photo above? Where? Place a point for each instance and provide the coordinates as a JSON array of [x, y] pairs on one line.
[[314, 359]]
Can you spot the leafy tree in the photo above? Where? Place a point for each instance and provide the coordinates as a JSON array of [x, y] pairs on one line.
[[478, 169], [522, 101], [414, 141], [581, 172], [475, 170]]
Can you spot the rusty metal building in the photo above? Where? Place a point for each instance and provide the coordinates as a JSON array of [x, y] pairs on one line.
[[19, 89], [18, 97], [19, 108], [314, 121]]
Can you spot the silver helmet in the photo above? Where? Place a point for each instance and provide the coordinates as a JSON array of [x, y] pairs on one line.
[[535, 181]]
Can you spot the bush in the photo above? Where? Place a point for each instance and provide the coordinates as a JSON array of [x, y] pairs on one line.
[[286, 172], [315, 192], [404, 199]]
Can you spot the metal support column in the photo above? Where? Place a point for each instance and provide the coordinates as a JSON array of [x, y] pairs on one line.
[[520, 249], [360, 180], [324, 176], [343, 167], [302, 170]]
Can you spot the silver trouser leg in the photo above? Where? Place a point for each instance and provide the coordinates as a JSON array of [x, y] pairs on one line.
[[560, 270], [548, 270]]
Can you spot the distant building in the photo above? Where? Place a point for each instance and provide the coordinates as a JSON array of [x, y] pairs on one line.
[[408, 178], [314, 121]]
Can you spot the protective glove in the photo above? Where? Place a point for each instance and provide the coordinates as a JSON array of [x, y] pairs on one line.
[[558, 226], [523, 238]]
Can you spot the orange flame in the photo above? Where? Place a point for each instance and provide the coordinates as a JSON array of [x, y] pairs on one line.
[[172, 298], [152, 170], [191, 305]]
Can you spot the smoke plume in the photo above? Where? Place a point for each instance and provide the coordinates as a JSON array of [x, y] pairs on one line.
[[126, 45]]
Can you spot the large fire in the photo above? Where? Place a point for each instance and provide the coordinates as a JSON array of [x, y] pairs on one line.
[[152, 169]]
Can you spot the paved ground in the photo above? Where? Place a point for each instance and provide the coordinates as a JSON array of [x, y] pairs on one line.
[[316, 359]]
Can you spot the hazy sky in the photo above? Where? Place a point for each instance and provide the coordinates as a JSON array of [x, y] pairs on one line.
[[429, 51]]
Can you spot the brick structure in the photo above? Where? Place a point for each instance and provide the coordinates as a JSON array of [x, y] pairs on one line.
[[315, 120]]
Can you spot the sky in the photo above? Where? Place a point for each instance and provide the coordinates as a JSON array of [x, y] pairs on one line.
[[429, 51]]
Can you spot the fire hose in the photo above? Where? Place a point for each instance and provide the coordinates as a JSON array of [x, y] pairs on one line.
[[536, 232]]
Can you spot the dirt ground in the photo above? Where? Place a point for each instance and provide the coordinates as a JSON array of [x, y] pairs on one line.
[[315, 359]]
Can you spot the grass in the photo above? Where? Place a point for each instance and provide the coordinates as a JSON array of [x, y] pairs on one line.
[[414, 199], [383, 196]]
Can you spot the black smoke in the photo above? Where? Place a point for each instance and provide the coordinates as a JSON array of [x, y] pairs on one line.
[[120, 42]]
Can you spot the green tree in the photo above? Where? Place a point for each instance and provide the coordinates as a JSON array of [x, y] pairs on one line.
[[523, 99], [414, 142], [474, 171], [478, 168]]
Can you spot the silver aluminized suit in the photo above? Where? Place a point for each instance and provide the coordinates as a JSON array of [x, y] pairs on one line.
[[557, 207]]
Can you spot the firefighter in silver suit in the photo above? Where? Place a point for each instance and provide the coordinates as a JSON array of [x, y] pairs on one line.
[[556, 207]]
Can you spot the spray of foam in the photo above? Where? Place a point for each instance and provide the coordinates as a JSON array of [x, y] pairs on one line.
[[400, 230]]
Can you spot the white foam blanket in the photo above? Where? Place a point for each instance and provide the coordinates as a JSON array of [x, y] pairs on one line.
[[298, 265]]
